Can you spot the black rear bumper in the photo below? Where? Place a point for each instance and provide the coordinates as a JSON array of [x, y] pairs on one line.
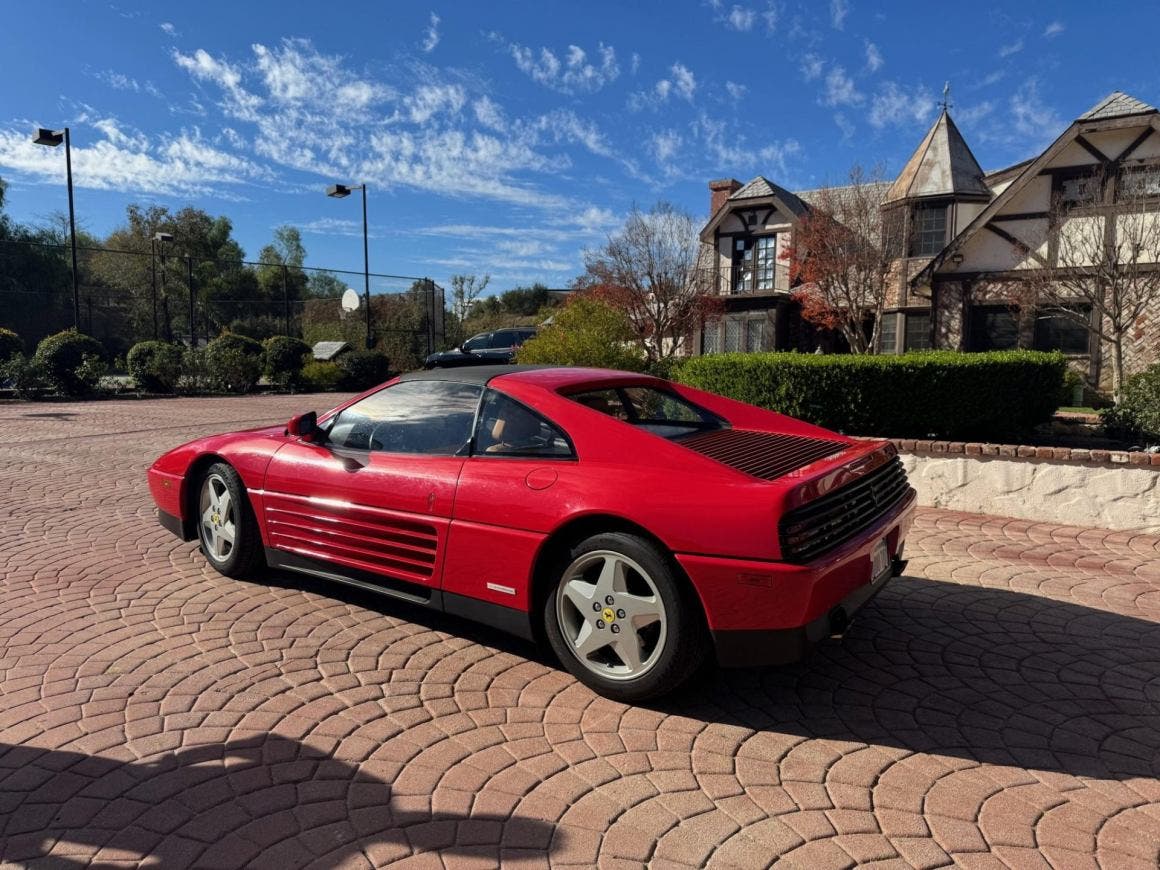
[[747, 648]]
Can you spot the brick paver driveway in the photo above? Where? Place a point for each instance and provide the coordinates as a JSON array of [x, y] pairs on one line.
[[999, 704]]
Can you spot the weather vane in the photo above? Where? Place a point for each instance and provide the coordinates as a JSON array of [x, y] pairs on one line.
[[946, 100]]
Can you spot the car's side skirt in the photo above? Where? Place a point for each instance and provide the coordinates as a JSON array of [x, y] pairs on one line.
[[506, 619]]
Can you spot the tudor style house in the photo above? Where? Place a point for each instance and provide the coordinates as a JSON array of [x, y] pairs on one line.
[[973, 239]]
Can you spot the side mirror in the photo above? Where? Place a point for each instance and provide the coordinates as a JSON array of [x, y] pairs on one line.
[[303, 425]]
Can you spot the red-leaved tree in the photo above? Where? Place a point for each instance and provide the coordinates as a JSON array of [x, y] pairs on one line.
[[842, 256], [653, 271]]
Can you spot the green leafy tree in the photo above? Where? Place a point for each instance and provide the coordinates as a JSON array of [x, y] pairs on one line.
[[525, 300], [586, 332]]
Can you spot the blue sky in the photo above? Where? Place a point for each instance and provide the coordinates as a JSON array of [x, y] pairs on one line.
[[506, 137]]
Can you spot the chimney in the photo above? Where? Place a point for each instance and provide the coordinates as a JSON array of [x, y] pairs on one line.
[[719, 191]]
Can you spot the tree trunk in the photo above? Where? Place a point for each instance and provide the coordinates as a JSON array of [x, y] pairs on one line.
[[1117, 366]]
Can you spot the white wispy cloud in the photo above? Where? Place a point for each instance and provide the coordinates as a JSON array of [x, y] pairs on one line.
[[431, 35], [840, 89], [839, 9], [168, 28], [739, 18], [575, 73], [874, 59], [735, 91], [681, 83], [126, 159], [970, 115], [729, 150], [665, 145], [1011, 48], [896, 105], [812, 67], [1031, 116], [1053, 29], [489, 113], [121, 82], [844, 124]]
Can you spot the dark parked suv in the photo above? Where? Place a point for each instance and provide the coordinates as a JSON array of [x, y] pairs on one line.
[[487, 348]]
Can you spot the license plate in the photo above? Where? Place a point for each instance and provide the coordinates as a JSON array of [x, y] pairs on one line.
[[879, 562]]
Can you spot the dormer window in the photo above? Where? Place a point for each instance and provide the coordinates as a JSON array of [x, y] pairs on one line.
[[929, 230], [754, 264]]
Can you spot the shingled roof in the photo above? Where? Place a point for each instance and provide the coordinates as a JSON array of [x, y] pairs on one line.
[[942, 165], [762, 187], [1116, 105]]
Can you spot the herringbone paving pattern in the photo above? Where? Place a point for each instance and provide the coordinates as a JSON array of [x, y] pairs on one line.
[[1000, 705]]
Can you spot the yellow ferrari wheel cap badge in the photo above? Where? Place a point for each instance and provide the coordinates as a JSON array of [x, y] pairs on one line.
[[609, 615]]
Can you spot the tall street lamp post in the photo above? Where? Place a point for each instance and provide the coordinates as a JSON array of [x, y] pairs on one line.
[[339, 191], [158, 237], [52, 138]]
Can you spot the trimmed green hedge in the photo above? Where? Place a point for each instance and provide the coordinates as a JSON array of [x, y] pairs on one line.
[[234, 362], [72, 362], [10, 344], [1138, 414], [156, 366], [936, 394]]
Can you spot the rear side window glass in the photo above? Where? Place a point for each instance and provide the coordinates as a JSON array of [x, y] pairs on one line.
[[658, 411], [508, 428], [432, 417]]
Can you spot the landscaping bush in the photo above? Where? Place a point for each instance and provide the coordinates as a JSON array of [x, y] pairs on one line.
[[585, 332], [156, 366], [63, 358], [321, 377], [10, 345], [285, 357], [363, 369], [233, 363], [25, 375], [937, 394], [1138, 414]]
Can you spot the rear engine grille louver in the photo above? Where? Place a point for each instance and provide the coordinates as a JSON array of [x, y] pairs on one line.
[[765, 455], [819, 526]]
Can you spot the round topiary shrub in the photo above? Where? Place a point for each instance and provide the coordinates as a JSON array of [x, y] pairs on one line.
[[10, 344], [68, 362], [155, 365], [234, 363], [363, 369], [321, 377], [1138, 414], [285, 357]]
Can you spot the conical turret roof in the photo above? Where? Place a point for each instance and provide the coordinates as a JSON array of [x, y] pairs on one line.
[[942, 165]]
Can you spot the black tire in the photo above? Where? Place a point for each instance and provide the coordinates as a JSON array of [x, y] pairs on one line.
[[680, 651], [245, 555]]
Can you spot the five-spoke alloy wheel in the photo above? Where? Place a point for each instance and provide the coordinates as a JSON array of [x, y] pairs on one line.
[[225, 523], [620, 619]]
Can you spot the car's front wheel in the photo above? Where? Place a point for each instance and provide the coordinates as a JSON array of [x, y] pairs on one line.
[[620, 619], [226, 524]]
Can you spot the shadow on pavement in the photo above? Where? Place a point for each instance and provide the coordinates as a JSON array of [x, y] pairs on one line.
[[260, 801], [986, 674]]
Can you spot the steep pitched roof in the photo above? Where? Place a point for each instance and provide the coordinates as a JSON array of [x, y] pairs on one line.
[[762, 187], [942, 165], [1113, 105], [1116, 105]]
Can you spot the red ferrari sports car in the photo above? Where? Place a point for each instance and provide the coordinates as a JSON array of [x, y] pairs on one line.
[[639, 526]]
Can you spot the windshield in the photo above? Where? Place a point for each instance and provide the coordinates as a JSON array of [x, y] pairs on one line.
[[655, 410]]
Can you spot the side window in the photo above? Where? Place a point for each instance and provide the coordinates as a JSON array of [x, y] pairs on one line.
[[477, 342], [431, 417], [507, 428]]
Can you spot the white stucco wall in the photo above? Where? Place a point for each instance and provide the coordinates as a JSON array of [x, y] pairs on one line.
[[1074, 493]]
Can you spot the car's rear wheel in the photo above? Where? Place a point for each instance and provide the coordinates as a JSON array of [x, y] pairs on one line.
[[226, 524], [620, 619]]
